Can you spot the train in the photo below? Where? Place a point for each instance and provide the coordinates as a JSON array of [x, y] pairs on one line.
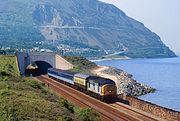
[[98, 87]]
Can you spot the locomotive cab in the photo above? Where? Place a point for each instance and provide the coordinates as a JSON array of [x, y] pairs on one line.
[[109, 90], [105, 88]]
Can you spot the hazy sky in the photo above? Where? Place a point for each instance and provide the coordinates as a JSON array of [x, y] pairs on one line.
[[161, 16]]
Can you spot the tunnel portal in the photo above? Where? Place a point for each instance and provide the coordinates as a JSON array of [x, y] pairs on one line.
[[41, 68]]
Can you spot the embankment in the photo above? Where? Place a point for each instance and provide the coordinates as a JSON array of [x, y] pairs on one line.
[[157, 110]]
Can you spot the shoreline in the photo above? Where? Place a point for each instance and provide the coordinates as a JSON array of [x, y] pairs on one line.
[[128, 58], [105, 59]]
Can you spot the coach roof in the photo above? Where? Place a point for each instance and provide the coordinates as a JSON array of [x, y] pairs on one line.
[[83, 76], [60, 71], [100, 80]]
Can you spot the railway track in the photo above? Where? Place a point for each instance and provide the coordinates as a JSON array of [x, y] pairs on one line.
[[71, 98], [109, 112], [136, 112]]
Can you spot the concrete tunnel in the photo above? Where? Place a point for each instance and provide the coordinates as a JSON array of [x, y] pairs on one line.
[[37, 68]]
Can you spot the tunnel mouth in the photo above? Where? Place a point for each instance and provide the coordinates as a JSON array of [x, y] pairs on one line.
[[40, 68]]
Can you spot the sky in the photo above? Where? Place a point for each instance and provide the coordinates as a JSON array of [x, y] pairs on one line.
[[160, 16]]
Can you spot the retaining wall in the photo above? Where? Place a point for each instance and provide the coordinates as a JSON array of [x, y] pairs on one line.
[[159, 111]]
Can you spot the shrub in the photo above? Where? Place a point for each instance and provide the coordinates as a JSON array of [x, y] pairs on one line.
[[67, 105], [3, 73], [9, 68], [4, 92], [67, 118], [88, 114], [35, 84]]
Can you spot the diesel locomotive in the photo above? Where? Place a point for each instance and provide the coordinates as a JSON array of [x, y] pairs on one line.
[[101, 88]]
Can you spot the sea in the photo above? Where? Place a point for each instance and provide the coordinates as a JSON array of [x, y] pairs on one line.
[[161, 74]]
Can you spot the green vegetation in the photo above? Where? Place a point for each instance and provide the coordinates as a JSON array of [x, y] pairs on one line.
[[8, 65], [81, 64], [28, 99], [87, 114], [75, 44], [157, 52], [7, 51], [20, 37]]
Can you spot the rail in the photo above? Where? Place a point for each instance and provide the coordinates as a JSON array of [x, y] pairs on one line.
[[114, 112]]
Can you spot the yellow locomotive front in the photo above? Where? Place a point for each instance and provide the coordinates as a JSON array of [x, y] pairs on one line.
[[109, 90]]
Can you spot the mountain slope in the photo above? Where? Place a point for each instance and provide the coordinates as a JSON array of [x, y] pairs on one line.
[[90, 22]]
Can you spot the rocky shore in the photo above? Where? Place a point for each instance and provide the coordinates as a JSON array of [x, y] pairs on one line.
[[124, 81]]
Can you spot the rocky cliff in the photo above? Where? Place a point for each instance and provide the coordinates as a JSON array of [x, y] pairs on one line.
[[94, 25]]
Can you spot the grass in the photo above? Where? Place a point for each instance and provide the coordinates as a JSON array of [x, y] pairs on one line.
[[81, 64], [27, 99], [8, 64], [24, 99]]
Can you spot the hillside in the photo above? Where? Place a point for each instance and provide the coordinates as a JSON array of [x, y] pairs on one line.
[[26, 99], [81, 64], [92, 27]]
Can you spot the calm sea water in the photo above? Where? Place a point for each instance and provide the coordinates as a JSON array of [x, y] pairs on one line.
[[162, 74]]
